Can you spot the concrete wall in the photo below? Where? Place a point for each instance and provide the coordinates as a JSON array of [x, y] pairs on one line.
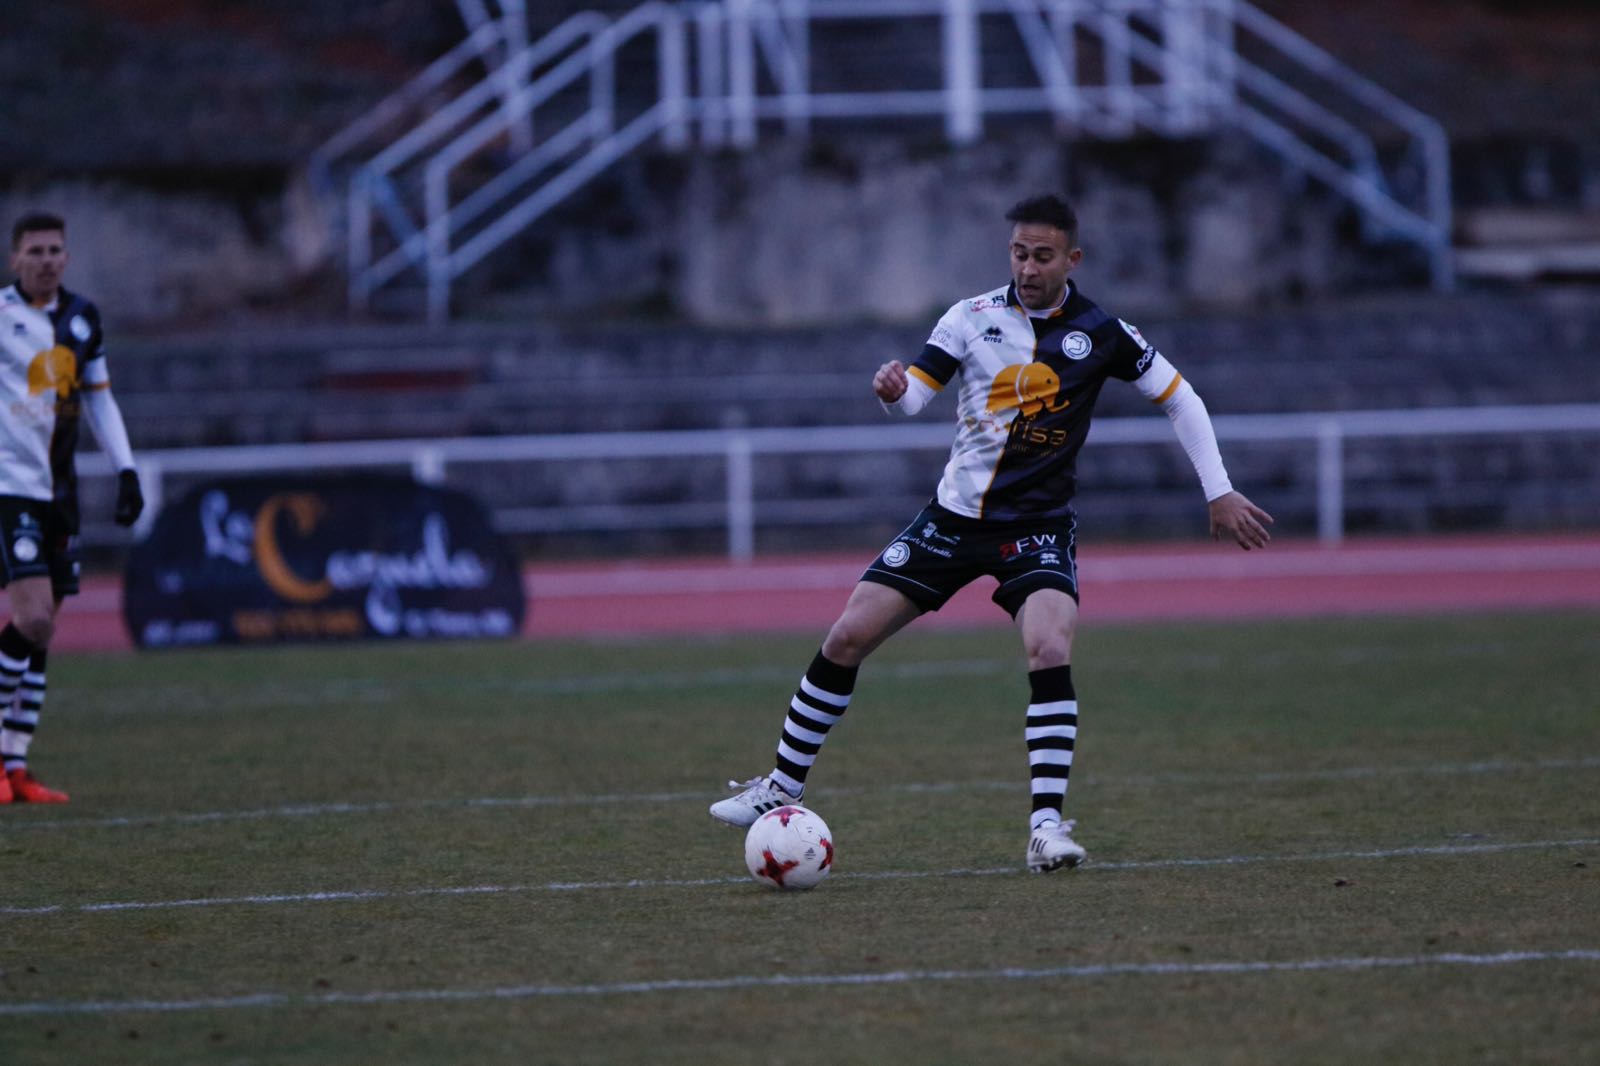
[[889, 230], [150, 254], [797, 232]]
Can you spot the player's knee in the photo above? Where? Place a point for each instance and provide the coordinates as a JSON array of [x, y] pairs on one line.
[[1049, 650], [846, 643], [36, 629]]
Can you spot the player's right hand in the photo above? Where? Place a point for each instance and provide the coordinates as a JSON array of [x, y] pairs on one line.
[[890, 382], [1242, 520]]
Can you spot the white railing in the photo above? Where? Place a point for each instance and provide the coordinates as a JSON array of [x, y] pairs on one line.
[[549, 116], [431, 461]]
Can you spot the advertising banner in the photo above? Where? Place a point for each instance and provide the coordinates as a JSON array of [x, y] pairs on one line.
[[262, 560]]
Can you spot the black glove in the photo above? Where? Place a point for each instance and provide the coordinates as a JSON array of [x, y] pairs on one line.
[[130, 501]]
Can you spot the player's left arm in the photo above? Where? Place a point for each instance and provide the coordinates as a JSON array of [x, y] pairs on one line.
[[105, 420], [1231, 511]]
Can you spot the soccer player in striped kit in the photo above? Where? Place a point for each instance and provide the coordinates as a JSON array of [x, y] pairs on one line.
[[1028, 360], [52, 368]]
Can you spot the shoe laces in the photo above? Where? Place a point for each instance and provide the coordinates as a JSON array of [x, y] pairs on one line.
[[762, 785]]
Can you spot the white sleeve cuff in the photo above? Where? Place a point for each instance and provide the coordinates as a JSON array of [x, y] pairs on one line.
[[916, 397]]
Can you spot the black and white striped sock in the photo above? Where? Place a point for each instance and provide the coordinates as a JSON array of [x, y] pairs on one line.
[[1051, 733], [16, 733], [18, 717], [817, 706]]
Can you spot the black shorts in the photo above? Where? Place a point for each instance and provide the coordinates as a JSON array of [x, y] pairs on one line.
[[941, 552], [34, 542]]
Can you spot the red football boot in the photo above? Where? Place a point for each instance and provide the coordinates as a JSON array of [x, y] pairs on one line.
[[5, 789], [25, 788]]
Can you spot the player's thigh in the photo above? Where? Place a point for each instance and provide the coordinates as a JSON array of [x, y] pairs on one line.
[[1048, 621], [871, 615]]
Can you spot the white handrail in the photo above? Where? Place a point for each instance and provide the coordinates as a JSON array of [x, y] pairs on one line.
[[431, 460]]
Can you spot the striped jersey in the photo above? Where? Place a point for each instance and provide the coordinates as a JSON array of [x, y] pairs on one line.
[[1027, 386], [47, 355]]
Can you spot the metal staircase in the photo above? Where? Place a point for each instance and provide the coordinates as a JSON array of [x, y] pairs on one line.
[[496, 133]]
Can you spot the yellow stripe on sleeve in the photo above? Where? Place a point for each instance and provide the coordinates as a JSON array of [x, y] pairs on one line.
[[924, 377], [1177, 379]]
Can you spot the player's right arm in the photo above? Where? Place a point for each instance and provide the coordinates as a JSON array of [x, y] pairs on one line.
[[906, 390]]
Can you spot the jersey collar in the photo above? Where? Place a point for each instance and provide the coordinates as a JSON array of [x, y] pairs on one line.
[[49, 308], [1016, 301]]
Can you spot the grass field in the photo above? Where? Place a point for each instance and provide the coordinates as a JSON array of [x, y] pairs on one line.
[[1370, 841]]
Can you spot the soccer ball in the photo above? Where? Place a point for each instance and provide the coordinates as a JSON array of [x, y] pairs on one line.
[[789, 847]]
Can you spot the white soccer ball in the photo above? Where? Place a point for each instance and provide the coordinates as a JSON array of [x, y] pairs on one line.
[[789, 847]]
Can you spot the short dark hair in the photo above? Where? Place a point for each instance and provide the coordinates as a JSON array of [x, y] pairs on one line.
[[35, 222], [1049, 210]]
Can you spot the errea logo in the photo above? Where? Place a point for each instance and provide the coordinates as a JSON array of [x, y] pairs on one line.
[[993, 335]]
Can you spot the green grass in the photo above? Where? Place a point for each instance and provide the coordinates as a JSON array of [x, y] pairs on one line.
[[1290, 747]]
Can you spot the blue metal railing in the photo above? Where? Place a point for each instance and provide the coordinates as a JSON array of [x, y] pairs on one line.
[[1105, 68]]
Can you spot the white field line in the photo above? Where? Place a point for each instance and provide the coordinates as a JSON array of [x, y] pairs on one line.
[[821, 980], [377, 894], [610, 799], [1156, 566]]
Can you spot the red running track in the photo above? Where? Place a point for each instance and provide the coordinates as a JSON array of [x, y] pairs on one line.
[[1120, 583]]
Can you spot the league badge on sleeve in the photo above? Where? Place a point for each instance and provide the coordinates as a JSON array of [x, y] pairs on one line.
[[1138, 338]]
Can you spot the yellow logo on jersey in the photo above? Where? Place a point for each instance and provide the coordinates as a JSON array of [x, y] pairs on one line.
[[54, 368], [1030, 387]]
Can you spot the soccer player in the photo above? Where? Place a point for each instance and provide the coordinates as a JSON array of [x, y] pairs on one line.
[[52, 367], [1028, 360]]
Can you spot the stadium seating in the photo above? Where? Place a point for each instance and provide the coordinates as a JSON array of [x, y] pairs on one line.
[[1391, 353]]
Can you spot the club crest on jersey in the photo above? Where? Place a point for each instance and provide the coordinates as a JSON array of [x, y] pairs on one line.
[[897, 554], [1076, 345], [79, 327]]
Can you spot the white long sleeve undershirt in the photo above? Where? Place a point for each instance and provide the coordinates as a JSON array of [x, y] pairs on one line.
[[105, 419], [1187, 412]]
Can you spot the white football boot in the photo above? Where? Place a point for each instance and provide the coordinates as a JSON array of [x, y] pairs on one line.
[[1051, 847], [759, 796]]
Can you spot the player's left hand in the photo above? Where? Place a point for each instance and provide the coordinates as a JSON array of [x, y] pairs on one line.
[[1242, 520], [130, 501]]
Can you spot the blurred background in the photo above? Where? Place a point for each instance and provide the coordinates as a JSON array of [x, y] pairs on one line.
[[623, 272]]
